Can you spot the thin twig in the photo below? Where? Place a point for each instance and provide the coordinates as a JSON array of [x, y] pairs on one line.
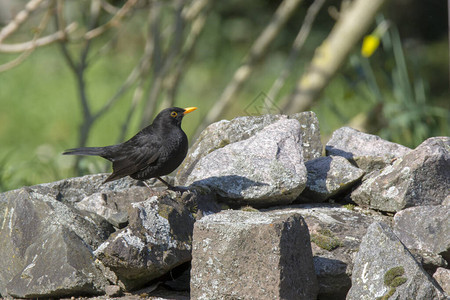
[[299, 41], [18, 20], [354, 19], [154, 88], [114, 22], [35, 43], [257, 51], [176, 75], [42, 25]]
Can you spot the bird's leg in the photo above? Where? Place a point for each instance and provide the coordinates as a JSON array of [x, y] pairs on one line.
[[145, 183], [166, 183], [173, 188]]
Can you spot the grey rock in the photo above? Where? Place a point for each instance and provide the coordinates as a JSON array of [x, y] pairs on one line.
[[265, 169], [75, 189], [446, 201], [113, 291], [442, 276], [369, 152], [383, 267], [58, 264], [119, 219], [157, 239], [328, 176], [37, 232], [336, 233], [112, 205], [421, 177], [222, 133], [310, 132], [252, 255], [425, 228]]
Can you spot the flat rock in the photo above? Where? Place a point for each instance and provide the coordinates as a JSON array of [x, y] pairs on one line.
[[37, 232], [72, 190], [328, 176], [252, 255], [222, 133], [421, 177], [336, 233], [265, 169], [383, 267], [368, 152], [425, 228]]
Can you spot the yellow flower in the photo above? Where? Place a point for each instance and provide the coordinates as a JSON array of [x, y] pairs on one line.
[[370, 44]]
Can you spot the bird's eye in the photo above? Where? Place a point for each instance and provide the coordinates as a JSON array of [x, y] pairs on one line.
[[173, 114]]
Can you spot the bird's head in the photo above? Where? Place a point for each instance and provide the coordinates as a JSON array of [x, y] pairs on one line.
[[173, 115]]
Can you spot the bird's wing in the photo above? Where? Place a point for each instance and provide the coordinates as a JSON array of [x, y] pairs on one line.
[[134, 155]]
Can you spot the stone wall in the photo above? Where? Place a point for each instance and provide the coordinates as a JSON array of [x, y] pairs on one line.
[[266, 216]]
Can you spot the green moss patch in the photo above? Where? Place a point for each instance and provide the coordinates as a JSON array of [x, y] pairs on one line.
[[393, 278], [325, 239]]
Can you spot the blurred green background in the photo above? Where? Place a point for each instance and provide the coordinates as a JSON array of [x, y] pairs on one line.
[[400, 93]]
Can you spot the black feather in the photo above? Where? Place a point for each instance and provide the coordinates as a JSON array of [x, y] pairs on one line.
[[154, 151]]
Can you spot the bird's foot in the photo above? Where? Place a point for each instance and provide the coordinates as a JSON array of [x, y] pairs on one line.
[[180, 189]]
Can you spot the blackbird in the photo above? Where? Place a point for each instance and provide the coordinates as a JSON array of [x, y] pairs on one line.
[[156, 150]]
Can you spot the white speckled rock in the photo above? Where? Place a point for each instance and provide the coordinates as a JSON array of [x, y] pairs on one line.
[[383, 266], [157, 239], [252, 255], [224, 132], [421, 177], [425, 228], [369, 152], [266, 169]]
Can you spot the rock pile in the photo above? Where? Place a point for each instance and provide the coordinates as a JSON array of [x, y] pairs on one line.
[[266, 217]]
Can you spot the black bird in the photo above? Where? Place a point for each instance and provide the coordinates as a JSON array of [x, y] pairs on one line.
[[156, 150]]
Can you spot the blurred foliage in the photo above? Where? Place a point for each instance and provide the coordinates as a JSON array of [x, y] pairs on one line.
[[400, 92]]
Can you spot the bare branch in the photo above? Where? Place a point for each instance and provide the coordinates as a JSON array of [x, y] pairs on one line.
[[155, 87], [175, 76], [259, 48], [18, 20], [109, 8], [137, 98], [43, 23], [354, 20], [299, 41], [114, 22], [43, 41]]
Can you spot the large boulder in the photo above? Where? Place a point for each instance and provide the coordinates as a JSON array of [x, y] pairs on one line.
[[336, 233], [421, 177], [222, 133], [265, 169], [37, 232], [369, 152], [252, 255], [58, 242], [384, 268], [156, 239]]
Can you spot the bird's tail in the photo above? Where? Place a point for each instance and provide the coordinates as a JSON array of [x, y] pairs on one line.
[[100, 151]]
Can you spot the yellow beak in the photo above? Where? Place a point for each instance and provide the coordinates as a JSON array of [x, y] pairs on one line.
[[189, 109]]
